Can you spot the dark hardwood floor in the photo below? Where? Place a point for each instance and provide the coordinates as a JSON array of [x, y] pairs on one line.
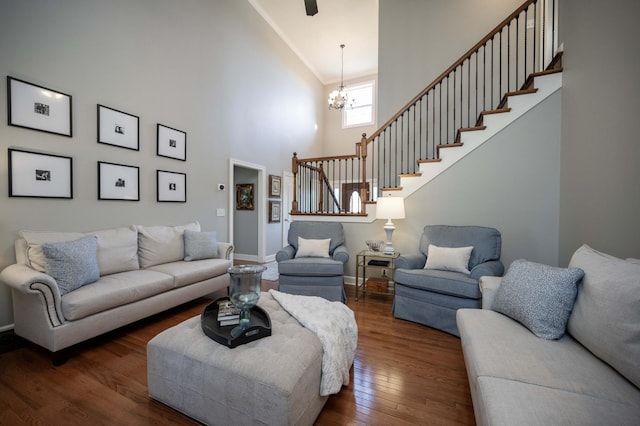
[[404, 373]]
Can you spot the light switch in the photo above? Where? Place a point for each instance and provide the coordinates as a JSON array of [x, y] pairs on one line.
[[220, 212]]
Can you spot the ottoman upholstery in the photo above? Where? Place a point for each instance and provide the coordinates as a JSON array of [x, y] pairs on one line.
[[274, 380]]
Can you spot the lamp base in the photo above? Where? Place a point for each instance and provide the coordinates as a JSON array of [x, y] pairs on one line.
[[388, 229], [388, 250]]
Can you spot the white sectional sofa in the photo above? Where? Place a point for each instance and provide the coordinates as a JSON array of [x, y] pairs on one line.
[[590, 375], [69, 287]]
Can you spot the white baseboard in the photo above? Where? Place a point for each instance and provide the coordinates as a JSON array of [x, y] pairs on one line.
[[6, 327]]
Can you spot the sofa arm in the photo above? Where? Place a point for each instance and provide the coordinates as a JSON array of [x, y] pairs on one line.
[[35, 284], [488, 288], [340, 254], [286, 253], [493, 268], [411, 261], [225, 250]]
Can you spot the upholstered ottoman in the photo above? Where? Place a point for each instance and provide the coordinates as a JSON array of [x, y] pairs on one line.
[[273, 381]]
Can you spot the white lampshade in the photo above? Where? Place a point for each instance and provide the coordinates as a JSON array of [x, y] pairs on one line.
[[390, 208]]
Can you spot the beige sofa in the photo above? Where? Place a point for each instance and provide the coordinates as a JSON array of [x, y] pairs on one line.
[[108, 278], [589, 376]]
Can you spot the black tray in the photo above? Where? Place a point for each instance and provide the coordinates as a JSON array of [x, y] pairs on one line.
[[259, 326]]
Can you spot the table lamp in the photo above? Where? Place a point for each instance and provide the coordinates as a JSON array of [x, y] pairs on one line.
[[389, 208]]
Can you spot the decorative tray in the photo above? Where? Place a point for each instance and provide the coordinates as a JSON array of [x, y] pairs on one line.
[[259, 326]]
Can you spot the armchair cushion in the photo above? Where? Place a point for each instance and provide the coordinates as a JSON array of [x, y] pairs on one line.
[[313, 248], [486, 242], [311, 266], [455, 259], [316, 230], [436, 281]]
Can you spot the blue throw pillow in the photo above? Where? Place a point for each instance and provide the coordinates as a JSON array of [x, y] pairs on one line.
[[540, 297], [72, 263], [200, 245]]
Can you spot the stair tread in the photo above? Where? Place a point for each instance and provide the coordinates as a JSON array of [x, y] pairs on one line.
[[429, 160]]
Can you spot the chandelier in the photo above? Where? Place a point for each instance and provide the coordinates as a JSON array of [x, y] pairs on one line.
[[338, 98]]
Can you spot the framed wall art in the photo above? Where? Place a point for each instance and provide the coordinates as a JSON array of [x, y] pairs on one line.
[[33, 174], [118, 128], [274, 211], [172, 186], [275, 183], [118, 182], [244, 196], [172, 143], [38, 108]]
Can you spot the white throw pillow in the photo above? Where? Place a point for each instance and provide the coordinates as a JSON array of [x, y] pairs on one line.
[[313, 248], [455, 259], [35, 239]]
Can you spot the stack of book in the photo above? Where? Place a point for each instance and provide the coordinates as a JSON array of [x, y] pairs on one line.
[[228, 314]]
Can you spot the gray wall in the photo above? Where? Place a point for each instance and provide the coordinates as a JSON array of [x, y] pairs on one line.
[[600, 203], [512, 183], [211, 68]]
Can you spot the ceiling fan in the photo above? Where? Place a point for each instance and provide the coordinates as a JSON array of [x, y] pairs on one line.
[[311, 6]]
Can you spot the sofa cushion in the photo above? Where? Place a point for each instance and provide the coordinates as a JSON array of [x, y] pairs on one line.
[[538, 296], [162, 244], [455, 259], [117, 249], [496, 346], [186, 273], [35, 239], [313, 248], [200, 245], [112, 291], [72, 263], [606, 315]]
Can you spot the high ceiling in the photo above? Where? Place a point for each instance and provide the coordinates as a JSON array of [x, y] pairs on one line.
[[317, 39]]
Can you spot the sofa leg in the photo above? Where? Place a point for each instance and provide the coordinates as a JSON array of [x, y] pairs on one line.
[[60, 357]]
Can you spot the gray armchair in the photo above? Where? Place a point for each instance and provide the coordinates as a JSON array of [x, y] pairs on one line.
[[312, 275], [432, 296]]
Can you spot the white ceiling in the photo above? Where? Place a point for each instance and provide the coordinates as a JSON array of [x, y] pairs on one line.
[[317, 39]]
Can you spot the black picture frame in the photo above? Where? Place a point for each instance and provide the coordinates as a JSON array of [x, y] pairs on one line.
[[171, 143], [244, 196], [118, 128], [118, 182], [171, 187], [35, 107], [39, 175]]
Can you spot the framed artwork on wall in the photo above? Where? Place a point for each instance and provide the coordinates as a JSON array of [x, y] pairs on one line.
[[274, 211], [118, 182], [118, 128], [38, 108], [275, 183], [172, 143], [244, 196], [172, 186], [38, 175]]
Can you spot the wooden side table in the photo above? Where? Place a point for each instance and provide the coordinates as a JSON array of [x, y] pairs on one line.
[[375, 261]]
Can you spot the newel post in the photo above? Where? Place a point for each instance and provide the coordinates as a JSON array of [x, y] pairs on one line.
[[364, 192], [294, 170]]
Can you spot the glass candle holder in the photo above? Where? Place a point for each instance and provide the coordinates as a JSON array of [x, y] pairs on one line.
[[244, 292]]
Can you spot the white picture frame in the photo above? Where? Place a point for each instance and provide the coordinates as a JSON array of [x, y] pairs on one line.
[[38, 108], [39, 175], [171, 143], [118, 182], [118, 128]]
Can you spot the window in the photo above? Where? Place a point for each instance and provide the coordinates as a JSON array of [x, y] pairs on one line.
[[360, 113]]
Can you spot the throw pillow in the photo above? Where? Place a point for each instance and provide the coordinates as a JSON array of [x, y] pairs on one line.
[[455, 259], [538, 296], [313, 248], [606, 316], [72, 263], [117, 249], [200, 245], [35, 239]]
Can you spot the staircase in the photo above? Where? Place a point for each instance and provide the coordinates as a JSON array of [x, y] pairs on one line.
[[508, 72]]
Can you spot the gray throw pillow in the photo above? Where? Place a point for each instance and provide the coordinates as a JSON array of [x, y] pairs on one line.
[[200, 245], [72, 263], [538, 296]]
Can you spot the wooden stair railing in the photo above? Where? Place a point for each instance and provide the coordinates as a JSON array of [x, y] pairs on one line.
[[500, 65]]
